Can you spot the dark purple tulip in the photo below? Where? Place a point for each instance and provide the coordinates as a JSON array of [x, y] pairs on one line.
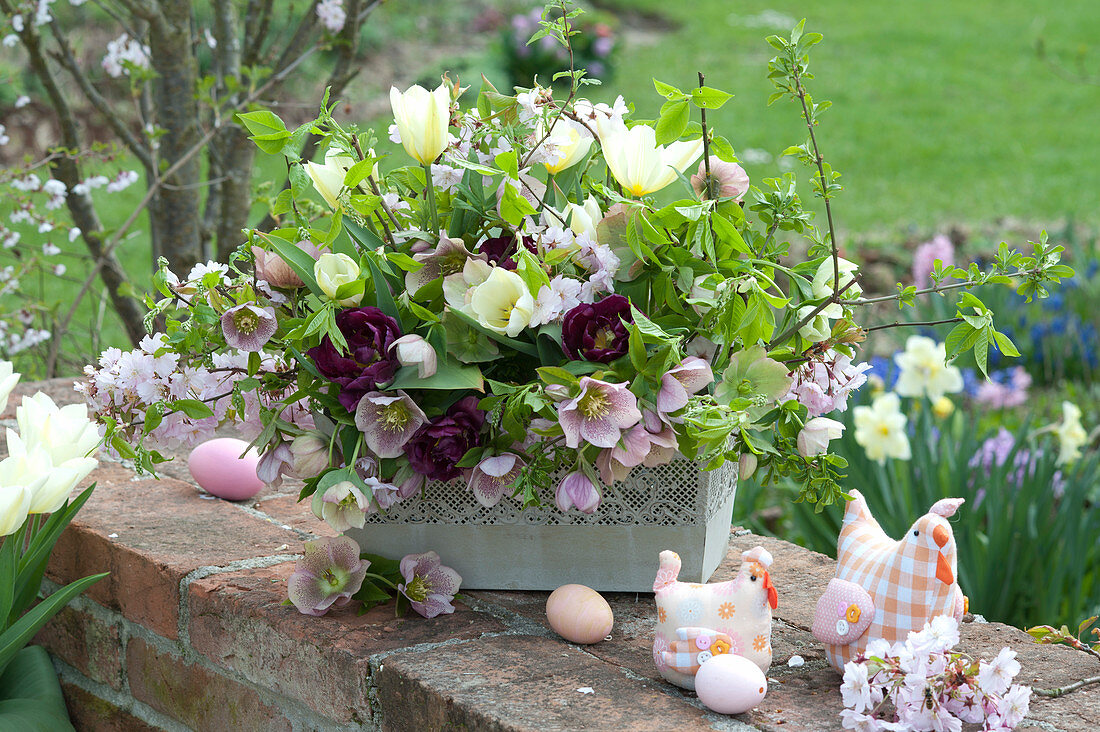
[[437, 446], [368, 365], [596, 332]]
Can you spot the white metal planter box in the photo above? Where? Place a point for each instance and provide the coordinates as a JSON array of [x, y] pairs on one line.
[[675, 506]]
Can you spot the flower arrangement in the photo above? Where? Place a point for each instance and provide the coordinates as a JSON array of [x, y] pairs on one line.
[[549, 295]]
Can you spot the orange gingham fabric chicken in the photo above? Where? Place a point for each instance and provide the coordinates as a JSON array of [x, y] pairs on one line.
[[885, 588]]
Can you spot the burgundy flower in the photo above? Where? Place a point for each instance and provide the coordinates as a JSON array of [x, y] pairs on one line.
[[596, 332], [499, 249], [368, 365], [438, 445]]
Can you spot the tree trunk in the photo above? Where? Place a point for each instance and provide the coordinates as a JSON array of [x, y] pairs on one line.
[[177, 201]]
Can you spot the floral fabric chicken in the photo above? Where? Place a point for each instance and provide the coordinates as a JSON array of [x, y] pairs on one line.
[[725, 617], [885, 588]]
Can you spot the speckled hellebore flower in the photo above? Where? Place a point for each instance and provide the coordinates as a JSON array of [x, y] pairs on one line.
[[577, 490], [327, 576], [309, 454], [248, 327], [388, 421], [275, 463], [599, 414], [344, 506], [447, 258], [492, 477], [678, 384], [429, 586]]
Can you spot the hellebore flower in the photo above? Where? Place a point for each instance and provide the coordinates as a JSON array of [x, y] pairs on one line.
[[577, 490], [679, 383], [309, 454], [327, 576], [275, 463], [429, 586], [422, 119], [599, 414], [388, 421], [8, 380], [448, 258], [248, 327], [727, 180], [596, 332], [368, 365], [815, 436], [636, 160], [503, 303], [413, 350], [492, 477], [438, 445], [344, 506], [385, 494], [651, 442], [334, 270], [274, 270]]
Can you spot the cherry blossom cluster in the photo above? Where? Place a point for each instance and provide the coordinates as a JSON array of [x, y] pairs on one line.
[[922, 684]]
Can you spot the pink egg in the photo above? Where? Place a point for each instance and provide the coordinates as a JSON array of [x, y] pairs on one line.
[[730, 684], [217, 467]]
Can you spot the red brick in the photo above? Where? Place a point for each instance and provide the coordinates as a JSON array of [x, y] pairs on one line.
[[196, 697], [524, 683], [86, 643], [164, 531], [89, 713], [238, 621]]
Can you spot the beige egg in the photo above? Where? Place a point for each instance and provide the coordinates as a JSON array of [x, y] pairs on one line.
[[579, 614]]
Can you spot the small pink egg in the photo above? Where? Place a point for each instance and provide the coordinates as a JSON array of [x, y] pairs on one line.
[[730, 684], [217, 467], [579, 614]]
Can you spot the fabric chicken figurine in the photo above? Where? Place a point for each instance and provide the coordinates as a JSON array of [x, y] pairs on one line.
[[885, 588], [726, 617]]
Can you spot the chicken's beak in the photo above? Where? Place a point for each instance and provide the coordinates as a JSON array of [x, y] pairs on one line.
[[943, 570], [773, 596]]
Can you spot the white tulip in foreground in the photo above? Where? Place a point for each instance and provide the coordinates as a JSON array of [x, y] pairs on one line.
[[636, 160], [422, 119]]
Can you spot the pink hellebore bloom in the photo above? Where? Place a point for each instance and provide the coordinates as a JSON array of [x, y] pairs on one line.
[[692, 375], [274, 464], [577, 490], [413, 350], [650, 443], [429, 586], [727, 180], [814, 438], [344, 506], [385, 494], [327, 576], [248, 327], [388, 422], [447, 258], [598, 414], [492, 477]]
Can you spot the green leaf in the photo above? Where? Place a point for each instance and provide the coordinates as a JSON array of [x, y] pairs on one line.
[[268, 131], [193, 408], [667, 90], [509, 163], [521, 346], [672, 122], [449, 375], [383, 298], [513, 206], [30, 696], [1005, 345], [706, 97]]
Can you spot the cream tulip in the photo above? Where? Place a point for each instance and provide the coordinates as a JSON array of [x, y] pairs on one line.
[[48, 480], [334, 270], [502, 303], [8, 380], [15, 500], [65, 433], [636, 160], [422, 119], [570, 143], [582, 219], [328, 178]]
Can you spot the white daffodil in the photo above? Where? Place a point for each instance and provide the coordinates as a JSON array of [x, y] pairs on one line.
[[1071, 434], [334, 270], [880, 429], [328, 178], [8, 380], [582, 219], [571, 143], [923, 371], [502, 303], [422, 119], [636, 160]]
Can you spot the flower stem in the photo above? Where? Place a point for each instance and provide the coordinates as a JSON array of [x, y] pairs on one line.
[[429, 191]]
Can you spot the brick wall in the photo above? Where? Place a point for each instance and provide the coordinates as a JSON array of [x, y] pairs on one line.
[[189, 632]]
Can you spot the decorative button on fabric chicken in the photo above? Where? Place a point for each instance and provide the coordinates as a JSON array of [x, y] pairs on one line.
[[727, 617], [885, 588]]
